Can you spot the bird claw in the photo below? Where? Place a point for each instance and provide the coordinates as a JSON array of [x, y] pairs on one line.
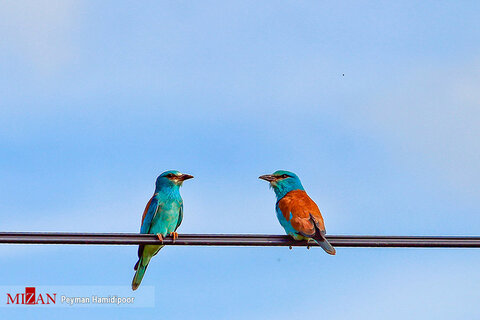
[[308, 247], [159, 236], [174, 235], [290, 247]]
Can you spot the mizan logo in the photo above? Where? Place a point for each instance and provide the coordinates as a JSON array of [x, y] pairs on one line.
[[30, 297]]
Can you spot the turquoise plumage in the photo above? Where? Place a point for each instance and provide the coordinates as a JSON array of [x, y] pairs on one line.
[[162, 216]]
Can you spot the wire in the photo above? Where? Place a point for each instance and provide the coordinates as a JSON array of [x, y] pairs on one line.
[[235, 240]]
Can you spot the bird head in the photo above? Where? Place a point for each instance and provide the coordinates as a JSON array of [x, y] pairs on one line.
[[283, 182], [171, 178]]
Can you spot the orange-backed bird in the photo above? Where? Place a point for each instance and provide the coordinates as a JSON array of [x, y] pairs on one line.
[[297, 212]]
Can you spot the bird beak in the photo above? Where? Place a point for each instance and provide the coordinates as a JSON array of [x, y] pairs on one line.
[[184, 177], [268, 177]]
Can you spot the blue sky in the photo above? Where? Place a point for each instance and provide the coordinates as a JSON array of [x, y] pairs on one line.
[[374, 104]]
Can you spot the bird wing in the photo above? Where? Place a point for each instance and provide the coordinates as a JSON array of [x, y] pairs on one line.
[[302, 213], [180, 216], [149, 213]]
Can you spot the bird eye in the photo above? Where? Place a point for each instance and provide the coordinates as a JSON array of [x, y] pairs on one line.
[[284, 175], [170, 175]]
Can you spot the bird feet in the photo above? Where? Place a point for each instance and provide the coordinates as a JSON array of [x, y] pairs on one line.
[[290, 247], [174, 235], [159, 236], [309, 241]]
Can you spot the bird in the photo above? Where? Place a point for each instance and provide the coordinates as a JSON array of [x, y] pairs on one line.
[[296, 211], [162, 216]]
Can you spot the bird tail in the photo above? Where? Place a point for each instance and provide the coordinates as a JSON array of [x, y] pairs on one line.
[[320, 239], [326, 246], [140, 272]]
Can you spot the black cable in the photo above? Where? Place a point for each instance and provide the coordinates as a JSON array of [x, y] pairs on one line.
[[236, 240]]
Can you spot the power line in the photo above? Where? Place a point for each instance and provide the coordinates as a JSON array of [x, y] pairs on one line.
[[236, 240]]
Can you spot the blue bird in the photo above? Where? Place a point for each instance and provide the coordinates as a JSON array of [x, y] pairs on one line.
[[297, 212], [162, 216]]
